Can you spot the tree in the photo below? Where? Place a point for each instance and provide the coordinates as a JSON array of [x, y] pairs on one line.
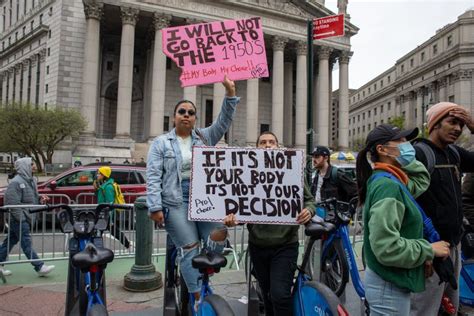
[[398, 121], [37, 132], [358, 144]]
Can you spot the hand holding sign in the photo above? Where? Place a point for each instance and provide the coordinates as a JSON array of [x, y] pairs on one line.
[[207, 51]]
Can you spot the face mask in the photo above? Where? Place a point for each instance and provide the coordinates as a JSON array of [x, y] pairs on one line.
[[407, 153]]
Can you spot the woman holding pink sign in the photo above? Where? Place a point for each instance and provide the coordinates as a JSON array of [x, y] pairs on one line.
[[168, 180]]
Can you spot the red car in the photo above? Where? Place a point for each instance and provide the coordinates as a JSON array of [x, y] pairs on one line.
[[76, 183]]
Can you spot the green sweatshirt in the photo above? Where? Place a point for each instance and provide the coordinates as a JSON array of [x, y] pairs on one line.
[[393, 230], [106, 192], [263, 235]]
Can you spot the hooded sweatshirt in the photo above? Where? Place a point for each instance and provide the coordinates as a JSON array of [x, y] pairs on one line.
[[22, 190]]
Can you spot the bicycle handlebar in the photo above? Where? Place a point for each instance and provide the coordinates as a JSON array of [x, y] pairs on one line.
[[340, 208]]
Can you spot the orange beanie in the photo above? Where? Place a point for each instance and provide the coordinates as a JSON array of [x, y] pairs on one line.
[[437, 112]]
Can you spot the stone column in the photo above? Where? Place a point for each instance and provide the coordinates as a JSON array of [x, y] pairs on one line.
[[410, 110], [252, 111], [463, 87], [18, 70], [278, 86], [301, 95], [34, 65], [419, 107], [26, 66], [125, 84], [190, 94], [90, 75], [4, 88], [323, 100], [442, 85], [343, 139], [218, 97], [316, 90], [288, 105], [158, 83], [11, 74], [42, 61]]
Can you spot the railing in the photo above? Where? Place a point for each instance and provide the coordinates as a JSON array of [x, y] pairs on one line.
[[51, 244]]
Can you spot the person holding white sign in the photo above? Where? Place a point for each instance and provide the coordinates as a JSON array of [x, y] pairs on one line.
[[274, 249], [168, 174]]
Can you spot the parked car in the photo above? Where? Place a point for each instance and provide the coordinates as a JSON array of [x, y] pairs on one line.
[[76, 183]]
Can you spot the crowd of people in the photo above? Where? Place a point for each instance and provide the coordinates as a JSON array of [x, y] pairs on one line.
[[402, 180]]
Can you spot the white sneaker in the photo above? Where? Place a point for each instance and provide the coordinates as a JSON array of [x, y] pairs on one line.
[[5, 272], [45, 270]]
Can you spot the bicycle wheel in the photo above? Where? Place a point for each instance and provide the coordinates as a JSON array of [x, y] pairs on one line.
[[334, 268], [98, 310], [319, 299], [215, 305]]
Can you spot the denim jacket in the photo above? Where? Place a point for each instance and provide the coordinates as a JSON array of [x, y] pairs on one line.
[[164, 159]]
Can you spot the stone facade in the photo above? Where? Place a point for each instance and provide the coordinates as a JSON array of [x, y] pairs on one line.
[[104, 58], [440, 69]]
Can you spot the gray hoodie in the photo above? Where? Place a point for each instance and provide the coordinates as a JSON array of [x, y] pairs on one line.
[[22, 190]]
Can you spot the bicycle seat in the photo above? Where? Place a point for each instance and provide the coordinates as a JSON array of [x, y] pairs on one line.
[[209, 259], [316, 230], [92, 255]]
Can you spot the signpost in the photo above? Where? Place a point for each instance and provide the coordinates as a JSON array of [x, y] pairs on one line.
[[328, 26], [325, 27]]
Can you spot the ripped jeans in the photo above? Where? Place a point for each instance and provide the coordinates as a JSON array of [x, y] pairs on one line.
[[185, 233]]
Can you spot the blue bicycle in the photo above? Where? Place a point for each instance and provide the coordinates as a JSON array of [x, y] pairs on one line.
[[177, 300], [311, 297], [86, 287], [337, 256]]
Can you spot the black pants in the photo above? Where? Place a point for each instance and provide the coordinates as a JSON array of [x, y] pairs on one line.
[[275, 270], [117, 232]]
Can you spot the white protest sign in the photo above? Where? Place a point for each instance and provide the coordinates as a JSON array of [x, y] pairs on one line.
[[257, 185]]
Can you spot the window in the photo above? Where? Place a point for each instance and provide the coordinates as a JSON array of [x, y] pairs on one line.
[[363, 129], [375, 124], [17, 10], [369, 90], [11, 14], [33, 3], [24, 30], [363, 94], [358, 118], [353, 120], [3, 45], [358, 130], [41, 19], [121, 176], [381, 108], [416, 113], [450, 40], [136, 69], [24, 6], [363, 116], [264, 128], [49, 34], [412, 63], [4, 18], [46, 89], [388, 79], [375, 111], [402, 68], [381, 83], [79, 178], [435, 49], [49, 51], [9, 40], [375, 87], [166, 124], [47, 70], [368, 114], [451, 98], [110, 65], [32, 23], [389, 105], [16, 36], [141, 176], [422, 56], [381, 121]]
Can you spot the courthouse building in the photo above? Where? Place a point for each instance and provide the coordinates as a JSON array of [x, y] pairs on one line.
[[440, 69], [104, 58]]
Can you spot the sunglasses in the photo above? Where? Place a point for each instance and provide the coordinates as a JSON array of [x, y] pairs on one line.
[[183, 112]]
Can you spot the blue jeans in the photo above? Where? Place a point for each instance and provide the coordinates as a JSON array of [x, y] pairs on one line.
[[185, 233], [385, 298], [14, 232]]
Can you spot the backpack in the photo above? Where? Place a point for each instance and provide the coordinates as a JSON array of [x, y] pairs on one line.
[[333, 176], [431, 158], [118, 197]]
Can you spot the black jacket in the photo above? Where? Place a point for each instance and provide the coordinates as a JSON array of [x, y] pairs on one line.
[[342, 188], [468, 198], [442, 201]]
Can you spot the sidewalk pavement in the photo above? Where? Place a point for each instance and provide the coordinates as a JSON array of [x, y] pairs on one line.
[[46, 296]]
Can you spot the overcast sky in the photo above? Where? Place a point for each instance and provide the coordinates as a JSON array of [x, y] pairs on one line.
[[391, 28]]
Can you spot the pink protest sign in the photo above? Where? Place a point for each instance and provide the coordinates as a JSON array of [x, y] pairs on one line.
[[206, 52]]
